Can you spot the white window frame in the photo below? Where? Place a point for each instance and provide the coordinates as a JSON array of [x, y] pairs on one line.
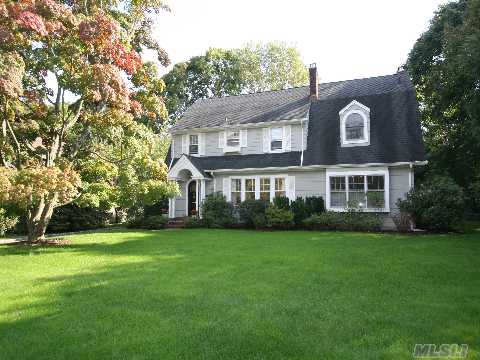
[[281, 139], [190, 144], [288, 193], [355, 108], [357, 172]]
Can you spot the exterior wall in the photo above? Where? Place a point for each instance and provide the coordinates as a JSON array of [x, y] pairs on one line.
[[400, 182], [309, 183], [254, 141]]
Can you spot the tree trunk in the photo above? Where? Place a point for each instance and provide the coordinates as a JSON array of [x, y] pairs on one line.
[[38, 219]]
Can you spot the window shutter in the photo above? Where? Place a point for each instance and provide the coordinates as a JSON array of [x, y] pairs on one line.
[[243, 138], [287, 138], [185, 144], [201, 144], [266, 140], [290, 187], [226, 191], [222, 139]]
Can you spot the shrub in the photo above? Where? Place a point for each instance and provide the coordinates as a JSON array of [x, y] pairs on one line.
[[194, 222], [156, 222], [159, 208], [350, 220], [281, 202], [252, 213], [299, 211], [314, 205], [278, 218], [75, 218], [437, 204], [6, 222], [217, 212]]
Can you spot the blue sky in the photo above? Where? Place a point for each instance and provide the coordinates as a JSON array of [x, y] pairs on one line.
[[347, 39]]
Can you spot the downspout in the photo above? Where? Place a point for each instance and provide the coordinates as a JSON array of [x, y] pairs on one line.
[[303, 136]]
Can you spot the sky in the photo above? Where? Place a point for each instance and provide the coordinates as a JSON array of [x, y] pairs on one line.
[[346, 39]]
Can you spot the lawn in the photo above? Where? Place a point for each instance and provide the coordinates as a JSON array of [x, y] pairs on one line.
[[231, 294]]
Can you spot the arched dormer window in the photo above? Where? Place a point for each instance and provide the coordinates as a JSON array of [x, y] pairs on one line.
[[355, 125]]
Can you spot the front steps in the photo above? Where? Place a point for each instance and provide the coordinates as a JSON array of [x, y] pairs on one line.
[[176, 223]]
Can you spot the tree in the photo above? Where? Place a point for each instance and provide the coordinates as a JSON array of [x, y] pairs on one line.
[[445, 67], [92, 50], [255, 67]]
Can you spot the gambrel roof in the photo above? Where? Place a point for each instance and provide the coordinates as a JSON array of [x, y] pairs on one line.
[[395, 132]]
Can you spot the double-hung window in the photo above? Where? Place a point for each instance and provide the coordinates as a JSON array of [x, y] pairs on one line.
[[236, 191], [280, 187], [265, 189], [364, 190], [249, 189], [233, 138], [276, 142], [193, 145]]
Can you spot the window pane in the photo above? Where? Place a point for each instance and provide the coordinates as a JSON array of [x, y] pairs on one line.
[[265, 195], [279, 184], [337, 183], [277, 134], [376, 182], [236, 185], [233, 138], [354, 127], [356, 191], [236, 198], [193, 149], [265, 184], [250, 185], [276, 145], [338, 199], [193, 139], [376, 199]]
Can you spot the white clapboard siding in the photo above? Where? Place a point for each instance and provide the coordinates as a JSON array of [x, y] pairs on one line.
[[185, 144], [243, 138], [287, 138], [201, 144], [226, 188], [266, 140]]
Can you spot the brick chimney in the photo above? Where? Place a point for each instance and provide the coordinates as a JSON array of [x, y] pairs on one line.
[[313, 81]]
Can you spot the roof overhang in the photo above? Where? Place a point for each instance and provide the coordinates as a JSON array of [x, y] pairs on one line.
[[184, 163], [240, 126]]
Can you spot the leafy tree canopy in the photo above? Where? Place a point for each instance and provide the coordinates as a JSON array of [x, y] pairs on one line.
[[54, 151], [445, 68], [255, 67]]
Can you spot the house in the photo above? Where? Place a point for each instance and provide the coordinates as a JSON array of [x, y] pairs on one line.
[[354, 142]]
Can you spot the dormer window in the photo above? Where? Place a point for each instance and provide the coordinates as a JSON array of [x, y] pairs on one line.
[[276, 143], [193, 145], [355, 125]]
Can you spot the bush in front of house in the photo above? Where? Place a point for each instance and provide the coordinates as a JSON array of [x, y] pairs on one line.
[[156, 222], [303, 208], [252, 213], [194, 222], [217, 212], [72, 217], [279, 218], [281, 202], [346, 221], [437, 204]]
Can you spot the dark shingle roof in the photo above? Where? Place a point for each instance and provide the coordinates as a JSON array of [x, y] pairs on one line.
[[395, 133], [242, 109], [252, 161]]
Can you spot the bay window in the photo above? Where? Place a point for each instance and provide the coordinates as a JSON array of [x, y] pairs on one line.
[[366, 190]]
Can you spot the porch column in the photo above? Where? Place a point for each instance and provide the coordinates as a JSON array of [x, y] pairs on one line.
[[202, 194], [171, 208]]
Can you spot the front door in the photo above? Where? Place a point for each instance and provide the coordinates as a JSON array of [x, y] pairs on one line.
[[192, 198]]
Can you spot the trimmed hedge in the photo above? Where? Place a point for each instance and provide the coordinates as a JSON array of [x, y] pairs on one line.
[[252, 213], [156, 222], [278, 218], [350, 220]]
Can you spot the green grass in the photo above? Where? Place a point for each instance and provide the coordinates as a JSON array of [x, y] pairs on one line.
[[212, 294]]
